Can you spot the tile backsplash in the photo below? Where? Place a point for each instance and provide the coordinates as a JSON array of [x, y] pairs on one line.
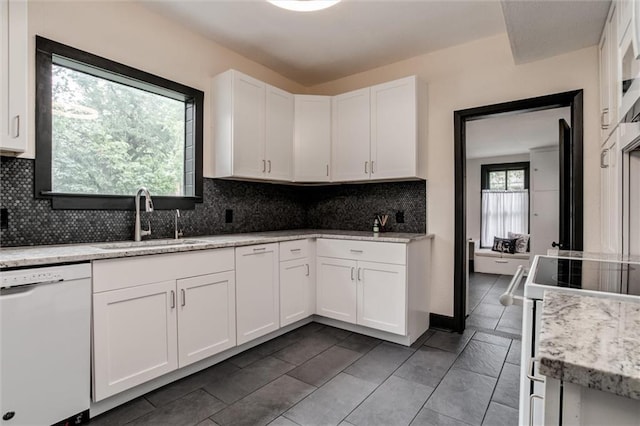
[[256, 207]]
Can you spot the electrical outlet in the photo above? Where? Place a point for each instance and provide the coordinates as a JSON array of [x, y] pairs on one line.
[[4, 218], [400, 216], [228, 216]]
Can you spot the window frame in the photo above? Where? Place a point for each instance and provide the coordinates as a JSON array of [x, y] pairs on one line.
[[45, 51], [485, 169]]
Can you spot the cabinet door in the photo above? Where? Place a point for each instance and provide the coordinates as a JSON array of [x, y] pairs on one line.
[[13, 76], [257, 291], [279, 134], [312, 138], [206, 316], [336, 289], [134, 336], [544, 220], [394, 129], [351, 136], [248, 126], [382, 296], [603, 57], [296, 286]]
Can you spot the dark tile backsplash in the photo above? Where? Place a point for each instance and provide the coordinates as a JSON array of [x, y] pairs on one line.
[[256, 207]]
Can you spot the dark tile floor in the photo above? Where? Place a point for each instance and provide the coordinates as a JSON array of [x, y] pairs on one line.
[[318, 375], [486, 312]]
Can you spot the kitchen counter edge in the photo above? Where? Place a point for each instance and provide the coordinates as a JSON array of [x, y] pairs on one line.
[[15, 257]]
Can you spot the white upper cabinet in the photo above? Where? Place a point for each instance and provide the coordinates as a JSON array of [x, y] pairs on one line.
[[608, 62], [13, 75], [262, 132], [312, 138], [252, 128], [279, 134], [351, 154], [394, 129]]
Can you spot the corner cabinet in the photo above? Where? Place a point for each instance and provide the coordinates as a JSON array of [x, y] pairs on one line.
[[608, 62], [351, 153], [297, 281], [257, 291], [252, 128], [379, 285], [312, 138], [13, 75], [154, 314]]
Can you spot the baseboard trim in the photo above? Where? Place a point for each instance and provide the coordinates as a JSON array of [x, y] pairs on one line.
[[442, 321]]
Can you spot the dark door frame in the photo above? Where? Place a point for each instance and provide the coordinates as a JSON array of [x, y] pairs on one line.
[[572, 99]]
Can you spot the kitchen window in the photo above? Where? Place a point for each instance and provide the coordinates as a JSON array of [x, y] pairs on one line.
[[505, 201], [104, 129]]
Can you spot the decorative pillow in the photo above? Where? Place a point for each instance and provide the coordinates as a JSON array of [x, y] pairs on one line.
[[522, 241], [504, 245]]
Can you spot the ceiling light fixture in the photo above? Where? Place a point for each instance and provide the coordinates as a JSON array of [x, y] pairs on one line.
[[304, 5]]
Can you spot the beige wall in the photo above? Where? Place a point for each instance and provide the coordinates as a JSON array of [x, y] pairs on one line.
[[473, 188], [476, 74], [129, 33]]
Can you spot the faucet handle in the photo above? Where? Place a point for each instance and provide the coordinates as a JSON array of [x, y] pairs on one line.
[[148, 231]]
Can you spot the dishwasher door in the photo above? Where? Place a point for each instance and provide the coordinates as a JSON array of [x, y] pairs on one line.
[[45, 349]]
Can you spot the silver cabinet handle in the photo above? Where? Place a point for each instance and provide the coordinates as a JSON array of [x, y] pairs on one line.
[[603, 155], [269, 163], [366, 167], [355, 251], [173, 299], [604, 125], [359, 269], [530, 374], [352, 270], [260, 249], [373, 169], [295, 250], [502, 261], [264, 166], [16, 132], [308, 270], [184, 297], [327, 170], [531, 398]]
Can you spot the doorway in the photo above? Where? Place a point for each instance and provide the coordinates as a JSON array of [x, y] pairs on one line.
[[570, 226]]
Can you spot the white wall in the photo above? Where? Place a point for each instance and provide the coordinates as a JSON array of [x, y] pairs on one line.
[[476, 74], [474, 198], [129, 33]]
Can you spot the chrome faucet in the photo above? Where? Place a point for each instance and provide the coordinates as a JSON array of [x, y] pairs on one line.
[[138, 233], [178, 233]]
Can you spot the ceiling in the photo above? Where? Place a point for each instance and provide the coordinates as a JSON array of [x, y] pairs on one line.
[[511, 134], [358, 35]]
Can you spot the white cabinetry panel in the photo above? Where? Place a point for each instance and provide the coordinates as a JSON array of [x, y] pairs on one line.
[[382, 296], [351, 136], [279, 134], [206, 316], [257, 291], [296, 291], [312, 138], [336, 289], [135, 334], [248, 126]]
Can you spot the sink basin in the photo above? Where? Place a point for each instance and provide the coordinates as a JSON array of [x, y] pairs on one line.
[[146, 244]]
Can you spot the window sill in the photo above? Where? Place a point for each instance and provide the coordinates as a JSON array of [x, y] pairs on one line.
[[60, 201]]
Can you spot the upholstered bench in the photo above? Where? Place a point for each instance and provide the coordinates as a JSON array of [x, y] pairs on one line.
[[487, 261]]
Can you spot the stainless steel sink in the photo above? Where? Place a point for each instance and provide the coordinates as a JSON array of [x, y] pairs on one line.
[[147, 244]]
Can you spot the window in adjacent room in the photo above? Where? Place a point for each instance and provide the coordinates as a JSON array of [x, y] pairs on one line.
[[505, 200], [104, 129]]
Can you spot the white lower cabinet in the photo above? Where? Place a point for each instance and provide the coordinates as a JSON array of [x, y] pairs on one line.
[[378, 285], [382, 296], [134, 336], [206, 316], [145, 327], [336, 289], [257, 291], [295, 291]]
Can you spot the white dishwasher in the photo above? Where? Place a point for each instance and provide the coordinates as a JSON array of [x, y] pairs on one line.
[[45, 316]]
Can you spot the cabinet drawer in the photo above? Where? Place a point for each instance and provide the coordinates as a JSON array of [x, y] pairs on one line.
[[114, 274], [290, 250], [363, 250]]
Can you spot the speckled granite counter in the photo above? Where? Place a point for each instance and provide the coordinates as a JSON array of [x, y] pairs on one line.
[[44, 255], [591, 341]]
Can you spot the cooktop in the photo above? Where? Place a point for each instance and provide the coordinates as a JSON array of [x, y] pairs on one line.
[[594, 275]]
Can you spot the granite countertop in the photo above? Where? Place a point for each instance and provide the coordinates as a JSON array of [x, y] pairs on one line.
[[46, 255], [591, 341]]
